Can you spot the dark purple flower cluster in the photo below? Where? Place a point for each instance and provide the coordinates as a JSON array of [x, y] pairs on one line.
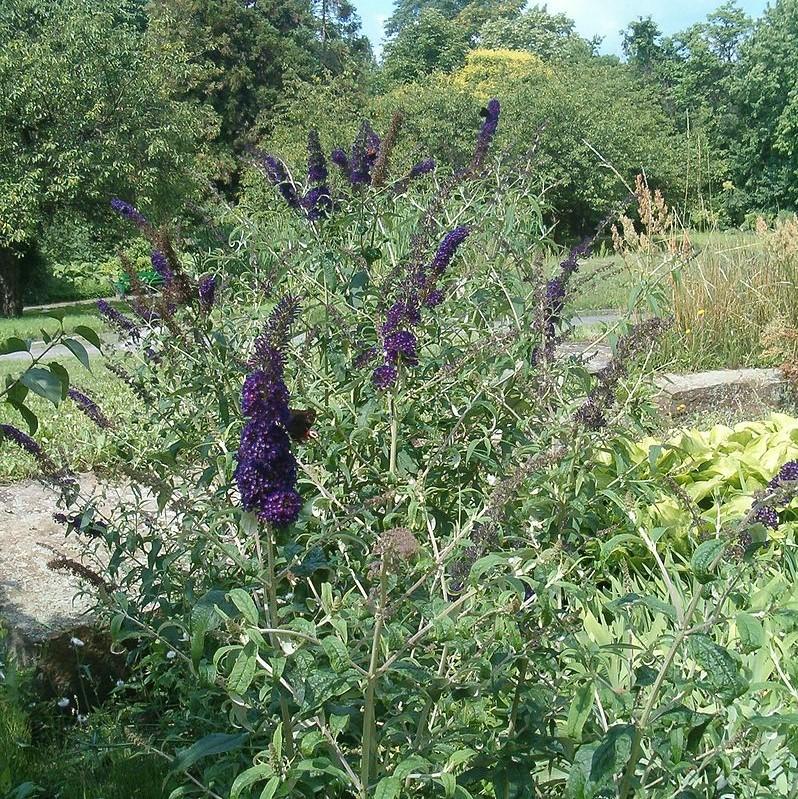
[[267, 471], [419, 290], [277, 173], [89, 407], [130, 212], [25, 442], [118, 319], [317, 202], [422, 168], [160, 264], [207, 292], [554, 300], [488, 131], [317, 166], [783, 488]]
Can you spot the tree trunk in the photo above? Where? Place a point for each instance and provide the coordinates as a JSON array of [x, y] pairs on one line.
[[10, 283]]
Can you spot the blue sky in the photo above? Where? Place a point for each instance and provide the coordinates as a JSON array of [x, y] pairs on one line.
[[593, 17]]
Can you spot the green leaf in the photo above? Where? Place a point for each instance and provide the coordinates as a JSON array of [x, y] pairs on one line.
[[336, 651], [243, 670], [579, 712], [44, 383], [271, 788], [78, 350], [14, 344], [774, 721], [214, 744], [90, 335], [723, 672], [244, 602], [249, 777], [705, 555], [388, 788], [56, 313], [449, 784], [751, 632], [609, 758]]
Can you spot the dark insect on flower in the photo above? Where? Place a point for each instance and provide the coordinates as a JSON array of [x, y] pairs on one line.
[[130, 212], [118, 319], [300, 423], [207, 292], [31, 446], [89, 407], [384, 377]]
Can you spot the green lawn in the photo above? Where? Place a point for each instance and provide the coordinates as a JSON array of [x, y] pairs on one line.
[[67, 435], [30, 324]]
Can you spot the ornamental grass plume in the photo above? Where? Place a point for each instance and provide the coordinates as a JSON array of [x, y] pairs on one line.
[[266, 473]]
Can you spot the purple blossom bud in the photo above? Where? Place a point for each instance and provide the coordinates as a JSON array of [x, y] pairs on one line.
[[447, 249], [486, 134], [118, 319], [161, 265], [767, 516], [422, 167], [25, 442], [317, 166], [383, 377], [207, 292], [129, 212], [281, 508], [338, 157], [277, 173], [89, 407], [434, 298], [401, 345]]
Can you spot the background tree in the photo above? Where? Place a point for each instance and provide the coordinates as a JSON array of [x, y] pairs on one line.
[[88, 109], [550, 36]]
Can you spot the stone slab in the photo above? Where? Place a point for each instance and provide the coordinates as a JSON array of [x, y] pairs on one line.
[[741, 389]]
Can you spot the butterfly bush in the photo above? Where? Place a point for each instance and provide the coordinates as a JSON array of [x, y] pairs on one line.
[[449, 590]]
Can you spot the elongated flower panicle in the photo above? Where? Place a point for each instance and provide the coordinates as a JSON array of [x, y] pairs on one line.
[[488, 131], [267, 471], [781, 490], [380, 172], [419, 289], [207, 292], [160, 264], [277, 173], [130, 212], [317, 166], [89, 407], [118, 319], [28, 444]]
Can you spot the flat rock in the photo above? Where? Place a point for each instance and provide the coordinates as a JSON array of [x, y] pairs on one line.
[[740, 389], [36, 603]]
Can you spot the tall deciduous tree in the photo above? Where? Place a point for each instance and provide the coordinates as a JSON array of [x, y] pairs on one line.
[[87, 110]]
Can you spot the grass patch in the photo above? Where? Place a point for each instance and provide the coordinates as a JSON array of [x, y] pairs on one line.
[[65, 432], [30, 324]]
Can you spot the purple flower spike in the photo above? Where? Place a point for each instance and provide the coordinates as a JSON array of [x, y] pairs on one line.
[[130, 212], [434, 298], [90, 408], [787, 474], [317, 166], [401, 345], [118, 319], [161, 265], [207, 292], [767, 516], [383, 377], [447, 249], [488, 131], [277, 173], [422, 168], [25, 442], [267, 470], [338, 157]]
